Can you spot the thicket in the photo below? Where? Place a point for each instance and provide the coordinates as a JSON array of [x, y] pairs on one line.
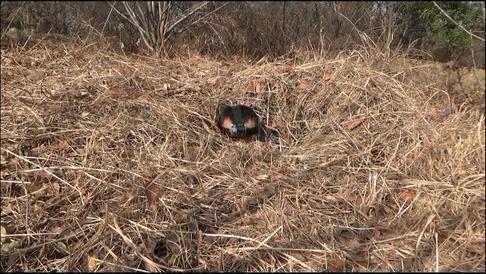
[[444, 30]]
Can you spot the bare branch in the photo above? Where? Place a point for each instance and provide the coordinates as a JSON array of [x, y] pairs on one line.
[[135, 23], [459, 25], [184, 17], [222, 6]]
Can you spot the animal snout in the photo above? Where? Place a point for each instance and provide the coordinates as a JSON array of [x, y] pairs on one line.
[[237, 130]]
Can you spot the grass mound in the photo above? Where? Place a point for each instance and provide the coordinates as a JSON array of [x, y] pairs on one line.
[[113, 162]]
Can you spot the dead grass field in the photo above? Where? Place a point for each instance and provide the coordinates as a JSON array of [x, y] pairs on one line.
[[112, 162]]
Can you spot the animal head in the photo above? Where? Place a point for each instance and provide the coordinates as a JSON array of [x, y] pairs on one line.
[[237, 121]]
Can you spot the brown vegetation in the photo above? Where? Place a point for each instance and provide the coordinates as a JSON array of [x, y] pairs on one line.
[[113, 162]]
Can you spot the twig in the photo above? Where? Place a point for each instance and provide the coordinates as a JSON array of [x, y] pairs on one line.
[[459, 25], [436, 253], [183, 18], [50, 173], [260, 244], [107, 18]]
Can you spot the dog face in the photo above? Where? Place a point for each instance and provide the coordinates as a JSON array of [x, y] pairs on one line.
[[238, 121]]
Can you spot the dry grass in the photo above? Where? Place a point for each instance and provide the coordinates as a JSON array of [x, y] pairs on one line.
[[112, 162]]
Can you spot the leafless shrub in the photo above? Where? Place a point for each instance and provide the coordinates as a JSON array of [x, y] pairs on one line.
[[158, 21]]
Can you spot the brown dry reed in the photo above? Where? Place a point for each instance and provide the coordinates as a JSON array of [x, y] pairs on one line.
[[113, 162]]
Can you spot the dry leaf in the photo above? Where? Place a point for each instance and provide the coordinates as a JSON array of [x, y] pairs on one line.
[[274, 70], [165, 87], [152, 191], [112, 88], [354, 123], [250, 86], [8, 61], [289, 69], [406, 196], [303, 84], [336, 265], [254, 86], [92, 263], [36, 76], [258, 86], [330, 199], [230, 196], [63, 144], [282, 69], [376, 232], [278, 175], [328, 75], [56, 228], [3, 234], [212, 81]]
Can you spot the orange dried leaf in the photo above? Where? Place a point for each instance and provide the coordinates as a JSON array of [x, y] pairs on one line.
[[258, 86], [63, 144], [91, 263], [303, 84], [274, 70], [289, 69], [328, 75], [336, 265], [278, 175], [212, 81], [353, 123], [250, 86], [376, 233], [112, 89], [230, 196], [406, 196]]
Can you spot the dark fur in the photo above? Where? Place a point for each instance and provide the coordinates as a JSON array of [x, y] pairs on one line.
[[239, 114]]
